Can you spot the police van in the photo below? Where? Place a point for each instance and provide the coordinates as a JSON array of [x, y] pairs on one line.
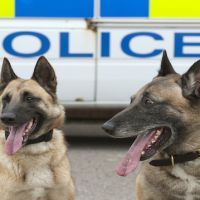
[[102, 51]]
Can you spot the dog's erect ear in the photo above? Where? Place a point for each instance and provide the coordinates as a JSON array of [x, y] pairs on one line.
[[190, 81], [166, 67], [7, 73], [45, 75]]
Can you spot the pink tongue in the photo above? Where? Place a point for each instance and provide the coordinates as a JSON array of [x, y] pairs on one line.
[[15, 138], [132, 157]]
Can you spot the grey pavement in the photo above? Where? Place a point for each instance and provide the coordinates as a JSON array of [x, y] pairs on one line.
[[93, 161]]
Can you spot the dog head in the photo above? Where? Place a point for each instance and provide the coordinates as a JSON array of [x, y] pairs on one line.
[[29, 108], [163, 115]]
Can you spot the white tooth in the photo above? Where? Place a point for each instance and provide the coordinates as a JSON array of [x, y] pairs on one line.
[[149, 145], [158, 132], [152, 141], [156, 136], [30, 124], [142, 152]]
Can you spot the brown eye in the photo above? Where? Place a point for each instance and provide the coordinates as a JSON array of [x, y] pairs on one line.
[[147, 101], [29, 99]]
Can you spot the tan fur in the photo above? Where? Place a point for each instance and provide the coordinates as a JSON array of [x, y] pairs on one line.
[[39, 171], [182, 181], [54, 111], [164, 115], [161, 183]]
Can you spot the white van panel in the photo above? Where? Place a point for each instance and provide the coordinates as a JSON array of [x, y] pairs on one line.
[[141, 44], [80, 41], [120, 75], [94, 70], [75, 74], [118, 80]]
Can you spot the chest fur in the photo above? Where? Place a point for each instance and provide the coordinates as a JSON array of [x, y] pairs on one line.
[[180, 182], [27, 177], [39, 176], [188, 184]]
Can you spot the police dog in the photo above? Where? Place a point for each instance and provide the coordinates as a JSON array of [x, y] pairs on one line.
[[33, 159], [165, 117]]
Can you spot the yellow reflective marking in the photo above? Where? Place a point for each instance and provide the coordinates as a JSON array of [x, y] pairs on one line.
[[174, 8], [7, 8]]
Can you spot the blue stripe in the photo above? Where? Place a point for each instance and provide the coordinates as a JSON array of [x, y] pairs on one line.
[[124, 8], [54, 8]]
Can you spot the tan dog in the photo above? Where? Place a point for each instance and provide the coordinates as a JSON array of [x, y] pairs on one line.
[[165, 117], [33, 159]]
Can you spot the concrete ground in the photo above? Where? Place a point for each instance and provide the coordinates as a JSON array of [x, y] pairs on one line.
[[93, 161]]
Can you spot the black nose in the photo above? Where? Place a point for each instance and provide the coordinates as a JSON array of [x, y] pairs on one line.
[[109, 127], [8, 118]]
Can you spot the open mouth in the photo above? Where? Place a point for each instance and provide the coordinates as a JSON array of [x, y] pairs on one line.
[[159, 138], [29, 128], [144, 147], [18, 136]]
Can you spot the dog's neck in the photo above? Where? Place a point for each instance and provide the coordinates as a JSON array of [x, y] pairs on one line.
[[176, 159], [46, 137], [183, 151]]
